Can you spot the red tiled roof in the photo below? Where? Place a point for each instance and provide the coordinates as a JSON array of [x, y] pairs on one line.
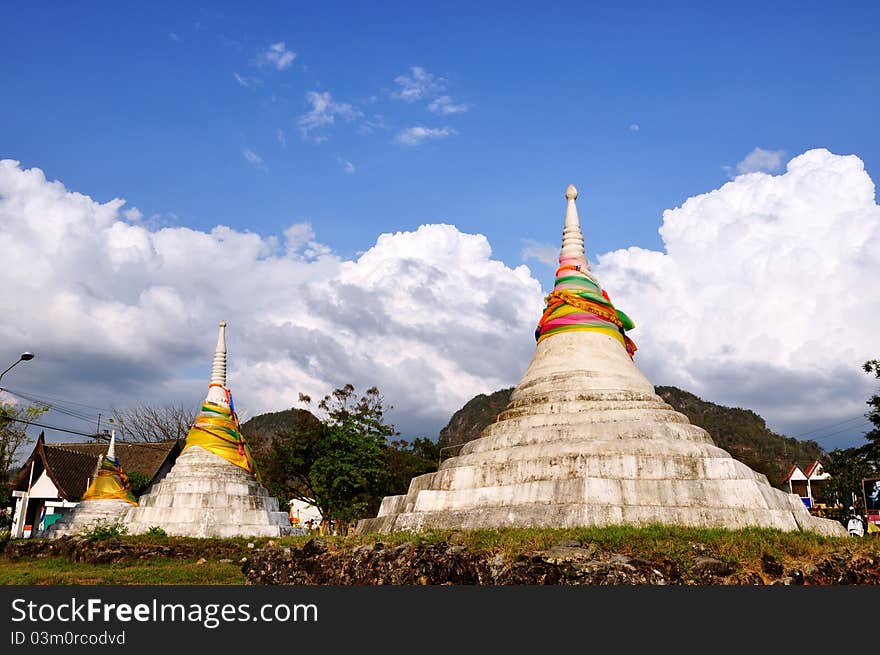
[[794, 467]]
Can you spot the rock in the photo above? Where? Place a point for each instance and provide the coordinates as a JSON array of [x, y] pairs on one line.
[[770, 565], [709, 566], [569, 551], [201, 561]]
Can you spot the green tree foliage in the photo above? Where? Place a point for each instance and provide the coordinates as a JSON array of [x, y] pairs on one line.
[[345, 463], [846, 468], [873, 436], [14, 439], [138, 482], [339, 463], [406, 460], [849, 466]]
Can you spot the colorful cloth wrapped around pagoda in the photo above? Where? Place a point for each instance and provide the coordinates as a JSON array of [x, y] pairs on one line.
[[217, 430], [110, 483], [577, 302]]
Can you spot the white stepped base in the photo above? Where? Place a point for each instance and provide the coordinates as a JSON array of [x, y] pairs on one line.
[[86, 515], [585, 441], [205, 496]]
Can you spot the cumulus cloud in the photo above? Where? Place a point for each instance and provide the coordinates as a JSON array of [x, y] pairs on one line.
[[414, 136], [634, 127], [277, 56], [324, 111], [765, 294], [418, 85], [347, 166], [133, 214], [760, 160], [120, 313]]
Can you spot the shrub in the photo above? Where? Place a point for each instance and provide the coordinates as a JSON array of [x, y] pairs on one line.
[[156, 531], [101, 530]]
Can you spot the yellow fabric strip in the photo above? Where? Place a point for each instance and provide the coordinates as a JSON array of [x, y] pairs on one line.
[[217, 431], [108, 486]]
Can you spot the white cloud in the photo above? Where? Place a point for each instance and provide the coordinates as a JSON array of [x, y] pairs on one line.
[[282, 137], [413, 136], [377, 122], [418, 85], [247, 81], [347, 166], [444, 105], [174, 36], [763, 298], [542, 252], [277, 56], [253, 158], [765, 295], [120, 313], [634, 127], [760, 160], [324, 111], [133, 215]]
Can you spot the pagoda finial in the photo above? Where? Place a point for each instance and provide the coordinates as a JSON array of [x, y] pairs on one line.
[[572, 237]]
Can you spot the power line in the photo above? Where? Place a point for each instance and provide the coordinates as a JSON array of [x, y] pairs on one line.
[[53, 399], [51, 427], [57, 406], [831, 425], [866, 423]]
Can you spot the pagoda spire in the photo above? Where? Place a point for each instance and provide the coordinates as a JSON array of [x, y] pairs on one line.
[[111, 450], [217, 388]]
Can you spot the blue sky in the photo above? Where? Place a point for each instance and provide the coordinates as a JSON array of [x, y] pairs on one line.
[[359, 120], [143, 104]]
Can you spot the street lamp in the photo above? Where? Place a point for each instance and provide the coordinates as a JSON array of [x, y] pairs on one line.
[[24, 357]]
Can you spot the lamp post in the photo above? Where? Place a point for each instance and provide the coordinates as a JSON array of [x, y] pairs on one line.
[[19, 518], [24, 357]]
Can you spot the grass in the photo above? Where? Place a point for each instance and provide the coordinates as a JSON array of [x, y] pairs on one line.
[[653, 543], [158, 571]]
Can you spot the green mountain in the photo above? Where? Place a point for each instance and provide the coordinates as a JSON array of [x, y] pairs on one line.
[[741, 432], [260, 430], [467, 423]]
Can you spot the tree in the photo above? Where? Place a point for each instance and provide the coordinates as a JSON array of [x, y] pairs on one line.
[[339, 464], [155, 422], [872, 449], [14, 421], [406, 460], [846, 468]]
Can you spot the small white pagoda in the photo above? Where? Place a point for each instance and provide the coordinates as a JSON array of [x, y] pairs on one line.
[[106, 501], [212, 489]]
